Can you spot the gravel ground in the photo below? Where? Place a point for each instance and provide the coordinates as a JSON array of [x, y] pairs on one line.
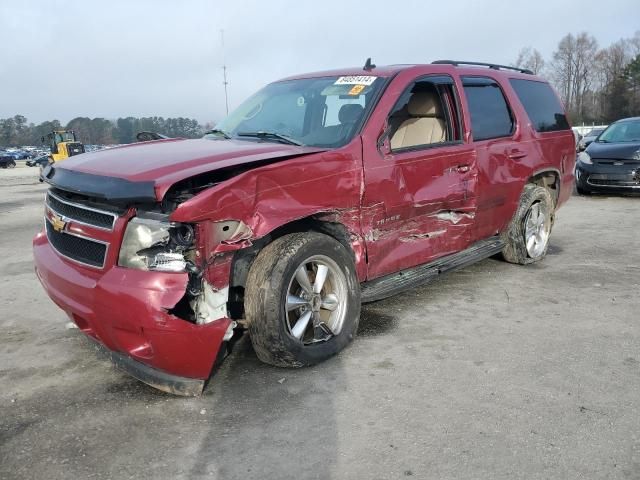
[[495, 372]]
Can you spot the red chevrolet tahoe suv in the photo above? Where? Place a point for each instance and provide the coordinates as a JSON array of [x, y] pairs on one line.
[[318, 193]]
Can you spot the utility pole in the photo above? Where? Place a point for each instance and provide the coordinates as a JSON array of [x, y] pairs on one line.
[[224, 73]]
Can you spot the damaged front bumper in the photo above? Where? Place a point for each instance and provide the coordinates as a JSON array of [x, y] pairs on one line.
[[127, 312]]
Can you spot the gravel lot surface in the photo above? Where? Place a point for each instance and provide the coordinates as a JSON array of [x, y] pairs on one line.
[[495, 372]]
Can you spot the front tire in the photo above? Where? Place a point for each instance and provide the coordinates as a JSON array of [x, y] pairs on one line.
[[582, 191], [527, 237], [302, 300]]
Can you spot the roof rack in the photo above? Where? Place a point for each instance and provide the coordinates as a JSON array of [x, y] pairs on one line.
[[493, 66]]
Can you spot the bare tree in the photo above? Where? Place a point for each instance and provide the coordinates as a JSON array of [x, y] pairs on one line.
[[531, 59], [609, 66], [572, 72], [586, 49], [634, 43], [562, 71]]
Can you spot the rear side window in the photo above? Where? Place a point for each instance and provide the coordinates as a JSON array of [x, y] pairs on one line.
[[542, 105], [490, 114]]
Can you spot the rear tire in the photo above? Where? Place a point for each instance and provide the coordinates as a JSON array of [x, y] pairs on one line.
[[527, 237], [302, 300]]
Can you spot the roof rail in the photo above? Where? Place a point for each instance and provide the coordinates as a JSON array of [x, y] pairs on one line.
[[493, 66]]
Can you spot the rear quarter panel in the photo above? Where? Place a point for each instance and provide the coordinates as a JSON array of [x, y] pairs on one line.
[[547, 151]]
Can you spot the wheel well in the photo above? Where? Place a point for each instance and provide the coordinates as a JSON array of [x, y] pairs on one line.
[[548, 179], [243, 259]]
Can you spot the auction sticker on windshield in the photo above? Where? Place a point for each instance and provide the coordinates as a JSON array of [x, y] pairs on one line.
[[355, 80], [356, 89]]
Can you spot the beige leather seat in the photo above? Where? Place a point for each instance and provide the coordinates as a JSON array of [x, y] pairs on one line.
[[425, 123]]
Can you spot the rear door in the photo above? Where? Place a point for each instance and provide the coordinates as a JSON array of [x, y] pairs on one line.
[[501, 153], [419, 196]]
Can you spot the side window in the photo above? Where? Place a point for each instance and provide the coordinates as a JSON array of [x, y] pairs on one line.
[[490, 114], [425, 115], [542, 106]]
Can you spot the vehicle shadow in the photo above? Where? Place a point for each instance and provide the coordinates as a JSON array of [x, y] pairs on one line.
[[269, 422]]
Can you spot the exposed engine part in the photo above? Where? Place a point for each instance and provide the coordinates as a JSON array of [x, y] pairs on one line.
[[230, 331], [183, 235], [210, 305], [231, 231]]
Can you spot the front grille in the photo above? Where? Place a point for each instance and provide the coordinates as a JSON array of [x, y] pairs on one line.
[[614, 161], [80, 249], [81, 213]]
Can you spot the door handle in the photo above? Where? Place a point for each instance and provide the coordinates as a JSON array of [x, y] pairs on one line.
[[517, 154], [462, 168]]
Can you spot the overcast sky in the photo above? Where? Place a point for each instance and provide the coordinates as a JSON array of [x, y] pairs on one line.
[[63, 59]]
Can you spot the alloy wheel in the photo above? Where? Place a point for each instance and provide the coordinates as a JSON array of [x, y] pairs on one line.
[[316, 302], [536, 230]]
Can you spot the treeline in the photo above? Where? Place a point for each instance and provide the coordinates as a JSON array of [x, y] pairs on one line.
[[597, 85], [17, 131]]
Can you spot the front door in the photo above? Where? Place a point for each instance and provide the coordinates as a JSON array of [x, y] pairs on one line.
[[419, 199]]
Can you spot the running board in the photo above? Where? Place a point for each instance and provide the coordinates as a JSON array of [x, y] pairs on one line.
[[389, 285]]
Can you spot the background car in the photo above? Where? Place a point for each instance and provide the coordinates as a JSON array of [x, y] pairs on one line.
[[7, 161], [612, 162], [588, 138], [18, 154], [40, 161], [578, 138]]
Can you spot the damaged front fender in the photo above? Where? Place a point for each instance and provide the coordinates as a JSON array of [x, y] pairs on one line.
[[237, 212]]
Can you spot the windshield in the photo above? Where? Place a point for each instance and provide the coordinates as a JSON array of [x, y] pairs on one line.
[[318, 112], [64, 137], [628, 131]]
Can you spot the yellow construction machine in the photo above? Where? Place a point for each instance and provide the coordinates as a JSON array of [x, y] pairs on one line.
[[63, 144]]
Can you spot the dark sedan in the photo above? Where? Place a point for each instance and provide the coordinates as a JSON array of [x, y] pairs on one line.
[[611, 164], [7, 161], [41, 161]]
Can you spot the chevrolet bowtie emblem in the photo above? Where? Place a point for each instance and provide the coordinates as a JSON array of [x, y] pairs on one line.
[[58, 223]]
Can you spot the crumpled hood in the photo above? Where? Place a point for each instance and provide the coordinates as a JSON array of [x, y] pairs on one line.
[[136, 172]]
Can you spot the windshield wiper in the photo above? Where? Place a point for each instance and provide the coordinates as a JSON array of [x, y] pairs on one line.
[[270, 136], [216, 131]]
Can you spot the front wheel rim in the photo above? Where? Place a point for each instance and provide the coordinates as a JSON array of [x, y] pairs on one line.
[[316, 302], [536, 230]]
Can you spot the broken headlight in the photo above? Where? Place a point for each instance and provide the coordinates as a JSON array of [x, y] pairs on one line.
[[150, 244]]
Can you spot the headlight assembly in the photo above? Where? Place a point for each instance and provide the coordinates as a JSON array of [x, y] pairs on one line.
[[155, 245], [584, 157]]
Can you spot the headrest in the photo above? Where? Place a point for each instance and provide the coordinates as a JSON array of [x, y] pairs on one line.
[[350, 113], [424, 104]]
